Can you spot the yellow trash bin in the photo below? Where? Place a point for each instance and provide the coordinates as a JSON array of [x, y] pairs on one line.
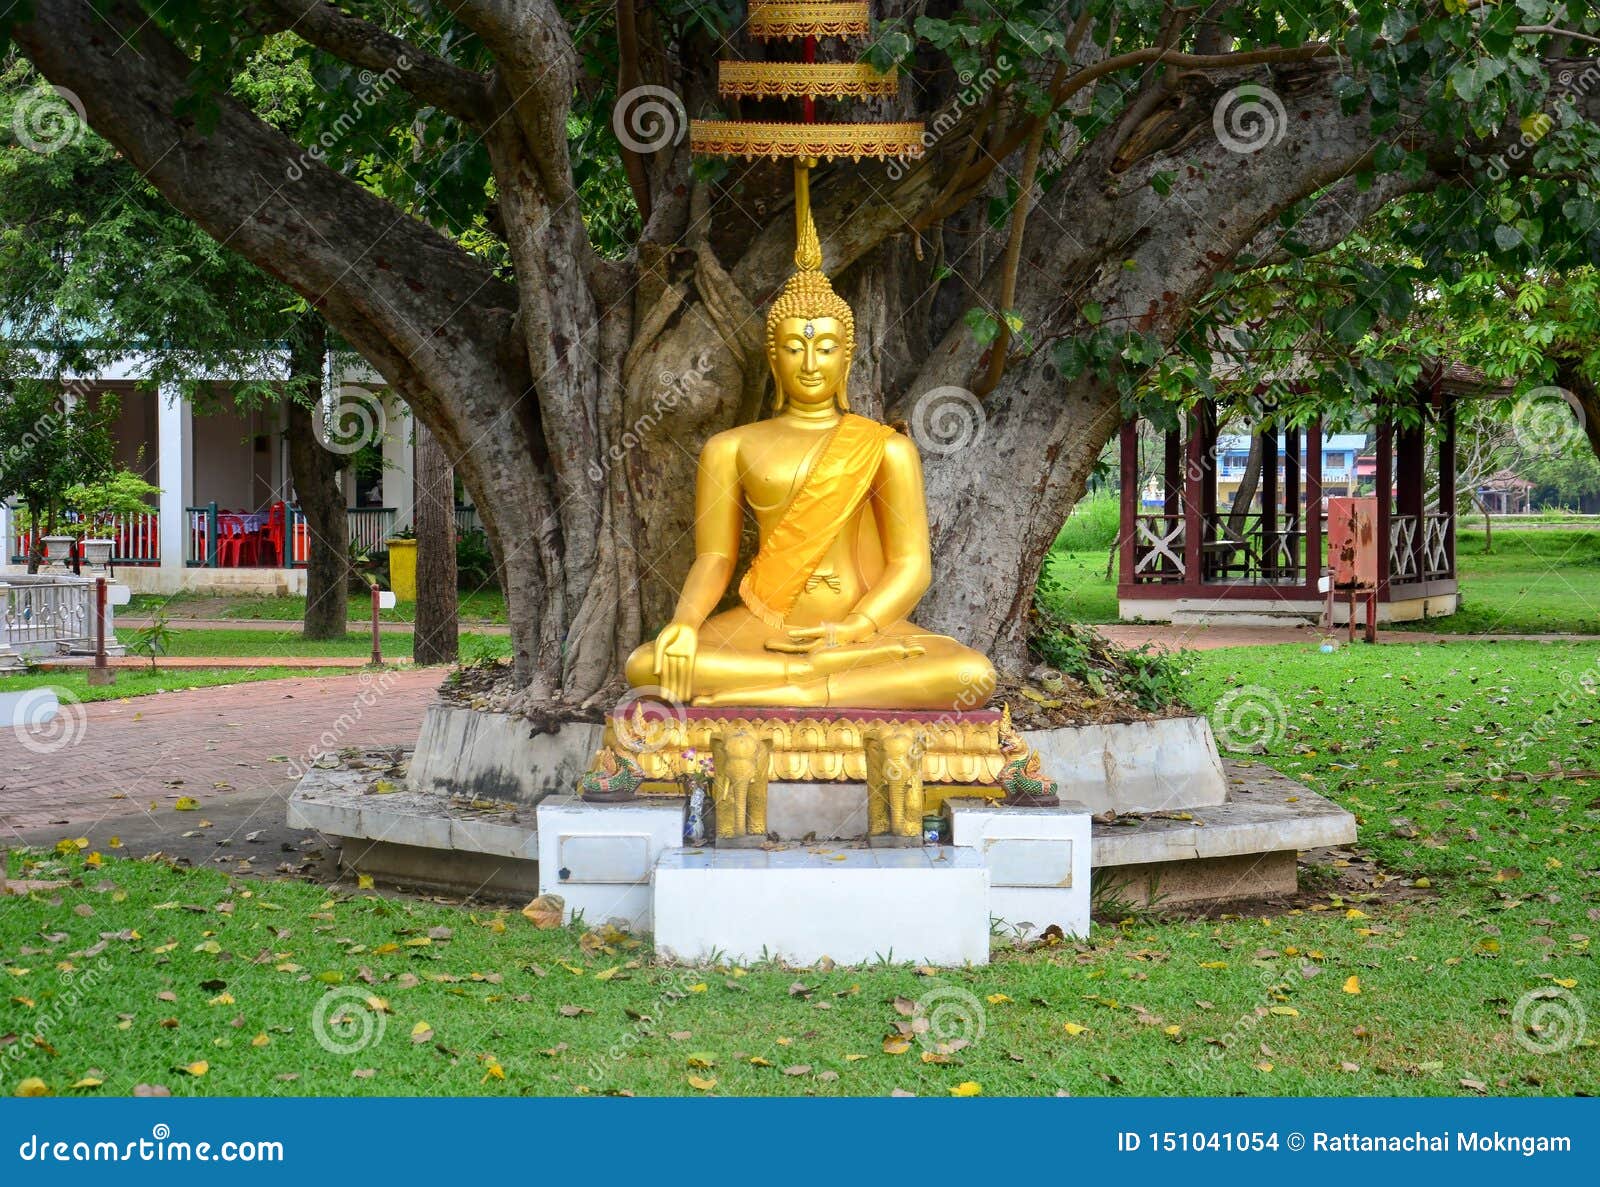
[[403, 569]]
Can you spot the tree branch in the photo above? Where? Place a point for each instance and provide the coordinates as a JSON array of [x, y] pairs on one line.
[[459, 92], [412, 302], [1553, 31], [627, 79], [1338, 211], [537, 65]]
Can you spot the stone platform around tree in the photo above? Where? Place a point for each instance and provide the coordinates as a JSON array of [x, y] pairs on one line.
[[801, 903], [463, 751], [1244, 848], [1162, 764]]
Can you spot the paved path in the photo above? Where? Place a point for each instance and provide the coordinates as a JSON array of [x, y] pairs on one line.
[[119, 767], [1168, 637]]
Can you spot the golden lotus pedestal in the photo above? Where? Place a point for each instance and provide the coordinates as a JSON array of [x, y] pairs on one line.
[[907, 762]]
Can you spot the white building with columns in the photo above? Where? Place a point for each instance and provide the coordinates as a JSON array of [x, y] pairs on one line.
[[227, 464]]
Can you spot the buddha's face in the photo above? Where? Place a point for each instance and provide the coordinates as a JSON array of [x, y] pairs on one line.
[[811, 359]]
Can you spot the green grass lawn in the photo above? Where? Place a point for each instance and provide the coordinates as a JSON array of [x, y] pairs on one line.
[[72, 685], [475, 606], [1075, 587], [289, 645], [1502, 874], [1534, 582]]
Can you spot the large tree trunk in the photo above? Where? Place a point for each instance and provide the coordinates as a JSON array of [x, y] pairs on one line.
[[1587, 393], [574, 400], [435, 639], [316, 474]]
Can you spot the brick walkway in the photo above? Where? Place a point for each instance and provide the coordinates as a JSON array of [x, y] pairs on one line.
[[116, 759]]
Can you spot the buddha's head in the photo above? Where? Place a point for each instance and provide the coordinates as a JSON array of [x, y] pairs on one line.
[[811, 333]]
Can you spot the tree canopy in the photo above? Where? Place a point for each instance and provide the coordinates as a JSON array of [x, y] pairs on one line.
[[492, 200]]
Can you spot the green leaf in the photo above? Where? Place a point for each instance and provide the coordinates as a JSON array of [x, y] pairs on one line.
[[983, 324]]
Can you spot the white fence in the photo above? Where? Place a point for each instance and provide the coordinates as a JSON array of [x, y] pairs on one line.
[[45, 614]]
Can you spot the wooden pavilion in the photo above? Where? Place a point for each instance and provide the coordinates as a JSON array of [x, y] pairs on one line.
[[1184, 559]]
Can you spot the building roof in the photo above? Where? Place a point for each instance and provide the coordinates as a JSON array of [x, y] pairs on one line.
[[1505, 480], [1332, 442]]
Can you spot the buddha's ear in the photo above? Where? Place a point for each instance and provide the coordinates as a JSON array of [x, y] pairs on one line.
[[778, 398], [842, 396]]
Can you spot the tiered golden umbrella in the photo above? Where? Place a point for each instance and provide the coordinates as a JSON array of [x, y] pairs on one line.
[[808, 80]]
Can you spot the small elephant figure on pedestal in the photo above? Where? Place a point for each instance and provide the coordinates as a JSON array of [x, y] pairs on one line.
[[894, 784], [740, 760]]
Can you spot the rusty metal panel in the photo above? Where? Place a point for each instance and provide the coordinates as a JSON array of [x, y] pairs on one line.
[[1353, 542]]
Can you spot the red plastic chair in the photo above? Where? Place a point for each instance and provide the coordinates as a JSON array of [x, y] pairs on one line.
[[272, 535], [236, 547]]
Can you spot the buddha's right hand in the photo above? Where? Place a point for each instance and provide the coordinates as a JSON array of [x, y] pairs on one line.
[[674, 668]]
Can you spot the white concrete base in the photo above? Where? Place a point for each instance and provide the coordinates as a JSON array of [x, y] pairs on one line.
[[854, 905], [1139, 766], [495, 756], [1038, 863], [154, 579], [820, 811], [598, 857], [1240, 611]]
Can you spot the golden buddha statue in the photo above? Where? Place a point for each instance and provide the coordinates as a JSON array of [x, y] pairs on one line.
[[843, 554]]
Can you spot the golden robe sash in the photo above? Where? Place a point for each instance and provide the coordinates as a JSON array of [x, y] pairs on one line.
[[826, 501]]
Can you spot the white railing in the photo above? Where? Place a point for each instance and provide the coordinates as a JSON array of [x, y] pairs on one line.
[[371, 526], [44, 613], [1436, 558], [135, 539], [1402, 547]]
